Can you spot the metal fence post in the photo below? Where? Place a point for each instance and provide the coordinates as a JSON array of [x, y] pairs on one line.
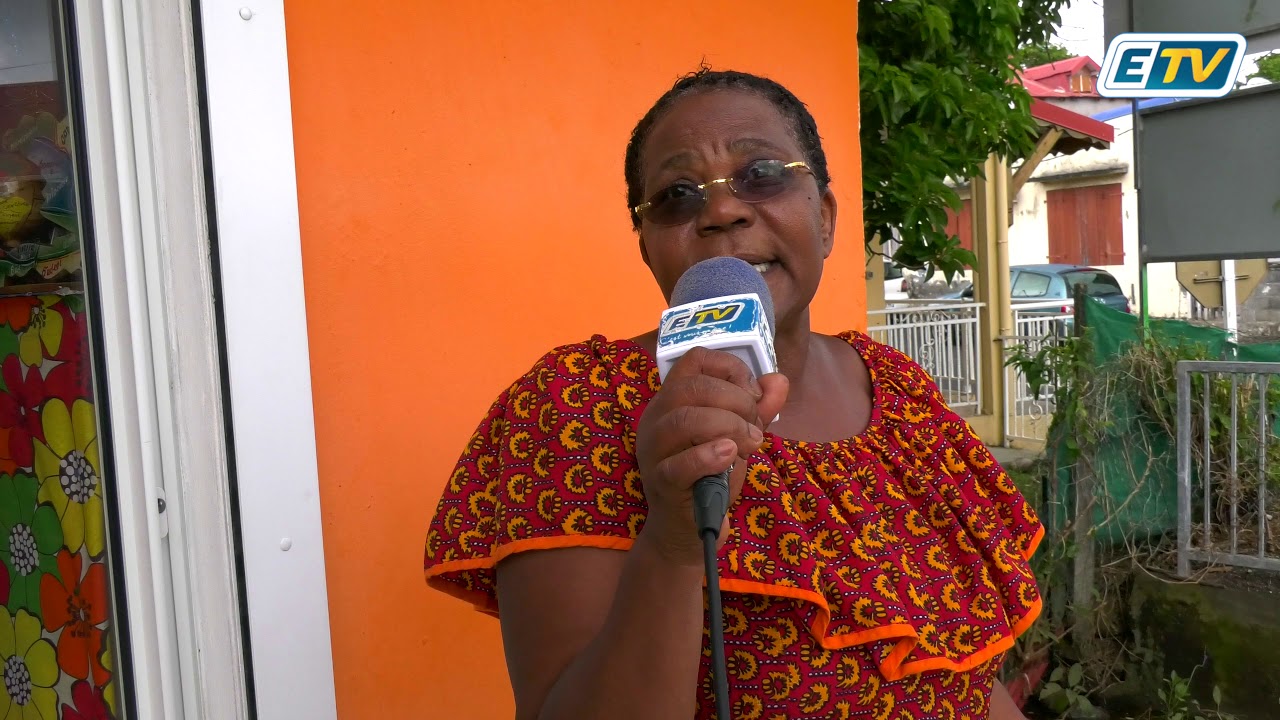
[[1184, 467], [1082, 586]]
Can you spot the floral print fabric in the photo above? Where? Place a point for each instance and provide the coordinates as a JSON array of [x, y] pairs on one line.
[[55, 645], [880, 576]]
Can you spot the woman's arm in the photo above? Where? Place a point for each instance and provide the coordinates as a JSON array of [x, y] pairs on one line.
[[592, 633], [1002, 707]]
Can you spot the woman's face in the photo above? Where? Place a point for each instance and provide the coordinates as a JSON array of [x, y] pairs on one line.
[[712, 135]]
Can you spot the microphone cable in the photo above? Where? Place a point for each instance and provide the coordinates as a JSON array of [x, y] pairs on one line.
[[710, 504]]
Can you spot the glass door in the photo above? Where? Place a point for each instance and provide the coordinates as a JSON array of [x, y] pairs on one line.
[[59, 616]]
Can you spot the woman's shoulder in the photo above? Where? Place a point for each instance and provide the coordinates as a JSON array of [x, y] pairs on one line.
[[551, 465], [889, 366], [573, 375], [595, 354]]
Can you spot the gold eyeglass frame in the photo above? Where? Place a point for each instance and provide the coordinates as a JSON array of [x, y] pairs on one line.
[[639, 209]]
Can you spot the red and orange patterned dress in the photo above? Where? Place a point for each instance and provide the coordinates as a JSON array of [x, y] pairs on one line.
[[882, 576]]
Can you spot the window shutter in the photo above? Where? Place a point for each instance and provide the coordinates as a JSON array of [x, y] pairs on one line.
[[1111, 223], [1086, 225], [1064, 227], [961, 224]]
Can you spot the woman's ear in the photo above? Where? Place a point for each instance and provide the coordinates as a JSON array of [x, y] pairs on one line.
[[828, 211]]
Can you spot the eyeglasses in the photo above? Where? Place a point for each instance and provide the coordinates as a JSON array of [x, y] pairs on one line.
[[759, 181]]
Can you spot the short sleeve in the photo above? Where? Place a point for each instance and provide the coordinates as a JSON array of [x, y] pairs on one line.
[[551, 465], [965, 456], [1001, 523], [986, 531]]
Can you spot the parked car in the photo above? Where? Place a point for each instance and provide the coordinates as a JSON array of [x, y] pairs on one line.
[[896, 281], [1033, 283], [1043, 283]]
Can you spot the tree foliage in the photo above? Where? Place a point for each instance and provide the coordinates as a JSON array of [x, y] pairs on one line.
[[1033, 54], [939, 93], [1268, 68]]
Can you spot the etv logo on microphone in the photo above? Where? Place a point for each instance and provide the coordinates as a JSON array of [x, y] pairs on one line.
[[1179, 65], [703, 316]]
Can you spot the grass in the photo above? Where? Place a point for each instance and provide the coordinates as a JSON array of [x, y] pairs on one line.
[[1029, 482]]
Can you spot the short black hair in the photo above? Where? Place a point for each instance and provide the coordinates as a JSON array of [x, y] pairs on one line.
[[803, 126]]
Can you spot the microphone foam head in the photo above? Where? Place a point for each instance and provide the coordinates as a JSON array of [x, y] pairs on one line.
[[720, 276]]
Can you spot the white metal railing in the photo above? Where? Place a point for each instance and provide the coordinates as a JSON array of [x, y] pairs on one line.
[[1230, 408], [1037, 326], [943, 338]]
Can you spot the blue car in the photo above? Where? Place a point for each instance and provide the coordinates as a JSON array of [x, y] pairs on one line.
[[1033, 283], [1042, 283]]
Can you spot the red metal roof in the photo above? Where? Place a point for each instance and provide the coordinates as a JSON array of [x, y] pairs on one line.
[[1081, 132], [1061, 67], [1054, 80], [1039, 89]]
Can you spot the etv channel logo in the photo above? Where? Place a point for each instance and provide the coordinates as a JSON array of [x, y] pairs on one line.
[[1181, 65]]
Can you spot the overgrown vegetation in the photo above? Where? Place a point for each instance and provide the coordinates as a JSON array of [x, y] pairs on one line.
[[1116, 422]]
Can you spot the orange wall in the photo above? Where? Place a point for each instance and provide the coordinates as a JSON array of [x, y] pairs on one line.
[[460, 183]]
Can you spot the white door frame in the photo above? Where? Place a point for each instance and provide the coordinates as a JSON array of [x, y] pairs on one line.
[[112, 182], [268, 362], [145, 140]]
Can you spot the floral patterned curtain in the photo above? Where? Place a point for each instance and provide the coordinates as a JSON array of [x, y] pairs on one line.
[[55, 619]]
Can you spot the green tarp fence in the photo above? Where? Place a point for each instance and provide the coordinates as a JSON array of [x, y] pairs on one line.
[[1135, 462]]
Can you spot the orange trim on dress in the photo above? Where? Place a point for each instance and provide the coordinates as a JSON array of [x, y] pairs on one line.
[[823, 622], [607, 542], [1034, 544], [892, 668], [1029, 619], [472, 578]]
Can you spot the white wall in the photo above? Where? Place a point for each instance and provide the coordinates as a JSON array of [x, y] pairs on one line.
[[1029, 235], [1086, 105]]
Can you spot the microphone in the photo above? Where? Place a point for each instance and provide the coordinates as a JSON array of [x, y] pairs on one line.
[[718, 304]]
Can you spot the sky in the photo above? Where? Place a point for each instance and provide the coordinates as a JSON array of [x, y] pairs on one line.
[[1081, 30]]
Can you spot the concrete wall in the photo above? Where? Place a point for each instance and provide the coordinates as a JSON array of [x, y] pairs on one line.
[[1229, 635], [462, 209]]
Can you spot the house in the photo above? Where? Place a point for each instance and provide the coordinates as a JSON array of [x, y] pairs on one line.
[[1069, 84], [963, 345], [1081, 209]]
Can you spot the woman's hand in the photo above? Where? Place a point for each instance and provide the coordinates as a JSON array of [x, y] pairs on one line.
[[710, 414]]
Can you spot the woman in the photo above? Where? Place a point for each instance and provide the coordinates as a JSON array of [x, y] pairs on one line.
[[875, 558]]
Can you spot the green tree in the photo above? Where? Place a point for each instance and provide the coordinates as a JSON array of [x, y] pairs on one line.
[[939, 93], [1268, 68], [1033, 54]]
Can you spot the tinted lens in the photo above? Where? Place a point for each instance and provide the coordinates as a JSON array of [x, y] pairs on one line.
[[757, 182], [676, 204], [761, 180]]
